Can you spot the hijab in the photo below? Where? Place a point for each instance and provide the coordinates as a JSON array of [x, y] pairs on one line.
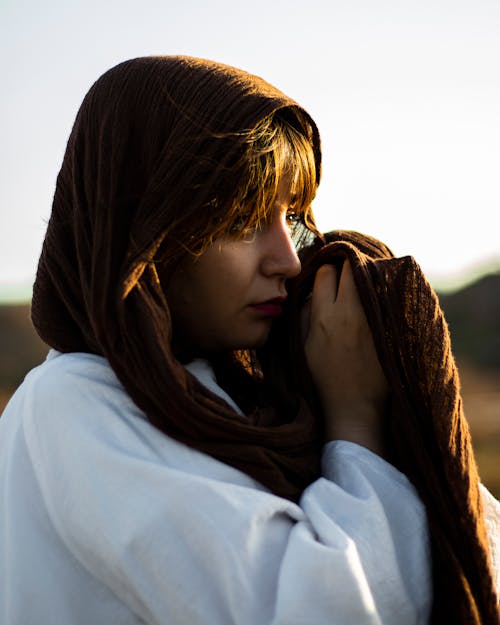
[[151, 140]]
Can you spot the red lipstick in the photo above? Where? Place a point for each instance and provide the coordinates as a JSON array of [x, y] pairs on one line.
[[271, 307]]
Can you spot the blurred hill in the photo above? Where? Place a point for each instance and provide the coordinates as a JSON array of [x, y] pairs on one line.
[[20, 347], [473, 315]]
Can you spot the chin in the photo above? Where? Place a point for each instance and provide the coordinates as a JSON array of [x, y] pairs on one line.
[[260, 342], [252, 342]]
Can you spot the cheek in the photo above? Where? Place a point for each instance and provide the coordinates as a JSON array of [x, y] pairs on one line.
[[219, 282], [242, 266], [200, 298], [229, 276]]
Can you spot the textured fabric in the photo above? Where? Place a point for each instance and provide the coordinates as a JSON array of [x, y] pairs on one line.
[[110, 521], [427, 434]]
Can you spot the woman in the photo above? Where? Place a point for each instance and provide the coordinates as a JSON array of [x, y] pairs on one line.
[[160, 467]]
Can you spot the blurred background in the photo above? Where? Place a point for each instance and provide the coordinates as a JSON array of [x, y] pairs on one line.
[[406, 95]]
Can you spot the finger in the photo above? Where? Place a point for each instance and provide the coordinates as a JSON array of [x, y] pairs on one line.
[[323, 297], [347, 290], [325, 288]]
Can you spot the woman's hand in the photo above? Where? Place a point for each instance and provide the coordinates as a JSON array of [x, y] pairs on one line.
[[342, 360]]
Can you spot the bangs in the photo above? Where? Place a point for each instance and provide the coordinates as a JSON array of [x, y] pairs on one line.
[[279, 147]]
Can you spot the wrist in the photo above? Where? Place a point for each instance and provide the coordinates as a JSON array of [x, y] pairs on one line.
[[359, 424]]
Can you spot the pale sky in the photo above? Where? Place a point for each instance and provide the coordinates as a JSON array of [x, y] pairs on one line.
[[406, 95]]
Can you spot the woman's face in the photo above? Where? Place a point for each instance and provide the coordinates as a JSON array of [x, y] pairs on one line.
[[229, 296]]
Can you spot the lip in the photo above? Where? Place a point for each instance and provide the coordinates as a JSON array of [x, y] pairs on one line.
[[270, 308]]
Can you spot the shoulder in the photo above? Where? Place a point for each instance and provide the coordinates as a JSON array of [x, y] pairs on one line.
[[74, 372], [74, 405], [72, 401], [69, 384]]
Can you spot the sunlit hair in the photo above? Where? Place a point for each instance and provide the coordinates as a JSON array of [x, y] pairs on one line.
[[276, 149], [279, 146]]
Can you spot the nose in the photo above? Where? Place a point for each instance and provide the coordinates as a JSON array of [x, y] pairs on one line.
[[279, 253]]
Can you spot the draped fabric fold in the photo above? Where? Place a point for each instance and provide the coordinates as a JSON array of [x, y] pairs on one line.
[[427, 432]]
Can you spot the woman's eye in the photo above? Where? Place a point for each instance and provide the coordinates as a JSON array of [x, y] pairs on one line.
[[241, 224], [293, 219], [241, 228]]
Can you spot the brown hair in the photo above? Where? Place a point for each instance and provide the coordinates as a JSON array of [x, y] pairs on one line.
[[279, 145]]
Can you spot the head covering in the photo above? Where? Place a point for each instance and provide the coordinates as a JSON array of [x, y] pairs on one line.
[[426, 431], [153, 138]]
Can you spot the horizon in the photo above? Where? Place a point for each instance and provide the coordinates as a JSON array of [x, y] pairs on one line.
[[19, 294]]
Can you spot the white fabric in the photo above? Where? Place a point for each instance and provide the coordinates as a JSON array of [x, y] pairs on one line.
[[104, 520], [492, 521], [205, 374]]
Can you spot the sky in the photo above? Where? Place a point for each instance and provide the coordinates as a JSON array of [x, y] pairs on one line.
[[406, 95]]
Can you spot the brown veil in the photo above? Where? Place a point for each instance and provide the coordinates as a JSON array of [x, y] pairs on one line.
[[151, 140]]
